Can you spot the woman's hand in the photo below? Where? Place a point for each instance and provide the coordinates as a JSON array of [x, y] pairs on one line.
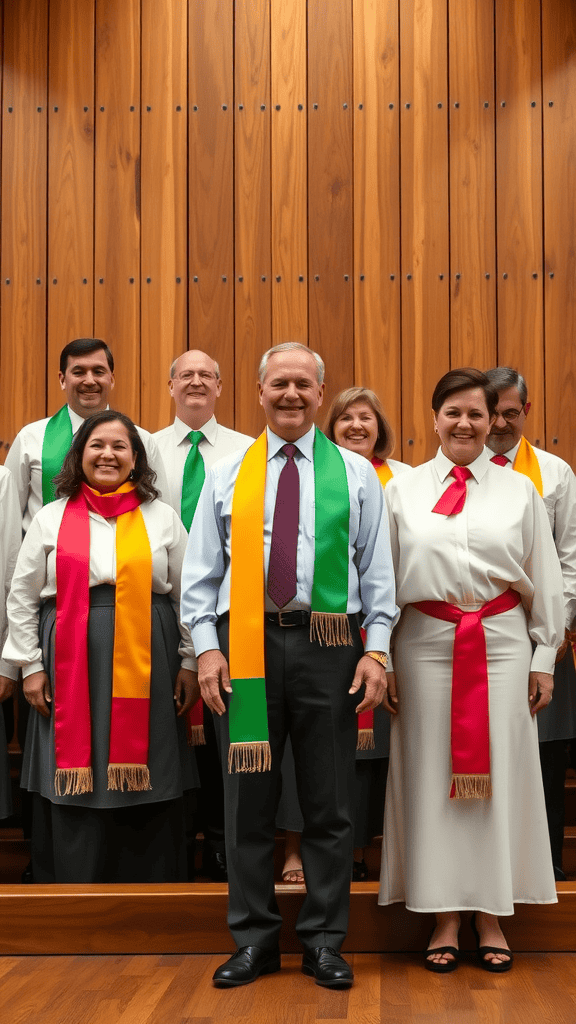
[[540, 687], [392, 703], [186, 690], [7, 688], [213, 675], [37, 691]]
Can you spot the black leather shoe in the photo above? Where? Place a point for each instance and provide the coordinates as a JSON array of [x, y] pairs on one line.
[[245, 965], [327, 967], [214, 865]]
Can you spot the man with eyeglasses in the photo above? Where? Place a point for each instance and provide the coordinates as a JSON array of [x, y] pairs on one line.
[[189, 447], [556, 483]]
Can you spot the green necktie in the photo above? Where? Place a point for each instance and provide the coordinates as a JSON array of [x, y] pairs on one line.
[[193, 479]]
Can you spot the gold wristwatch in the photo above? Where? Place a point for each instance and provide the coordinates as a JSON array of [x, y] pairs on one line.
[[378, 656]]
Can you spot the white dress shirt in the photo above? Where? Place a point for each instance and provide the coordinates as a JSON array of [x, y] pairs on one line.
[[206, 571], [34, 577], [24, 460], [174, 445], [10, 540], [501, 539]]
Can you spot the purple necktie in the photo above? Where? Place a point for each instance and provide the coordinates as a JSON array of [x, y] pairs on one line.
[[282, 564], [500, 460]]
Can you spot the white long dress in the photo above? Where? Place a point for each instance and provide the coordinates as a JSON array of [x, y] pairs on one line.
[[440, 854]]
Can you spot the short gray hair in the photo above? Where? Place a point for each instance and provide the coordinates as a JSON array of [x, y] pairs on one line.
[[504, 377], [289, 346], [173, 366]]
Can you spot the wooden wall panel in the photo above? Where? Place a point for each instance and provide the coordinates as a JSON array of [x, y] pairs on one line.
[[330, 191], [288, 169], [253, 307], [164, 306], [23, 255], [519, 198], [70, 182], [559, 104], [377, 351], [424, 183], [211, 189], [472, 186], [117, 198]]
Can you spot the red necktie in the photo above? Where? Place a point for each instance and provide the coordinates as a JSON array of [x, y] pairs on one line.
[[284, 543], [452, 501], [500, 460]]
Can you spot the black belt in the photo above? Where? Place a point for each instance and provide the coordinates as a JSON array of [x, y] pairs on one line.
[[296, 617]]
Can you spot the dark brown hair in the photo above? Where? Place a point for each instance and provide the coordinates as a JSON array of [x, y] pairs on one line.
[[83, 347], [461, 380], [70, 477], [385, 441]]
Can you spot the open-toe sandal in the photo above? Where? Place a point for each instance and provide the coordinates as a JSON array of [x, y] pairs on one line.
[[437, 968], [493, 966]]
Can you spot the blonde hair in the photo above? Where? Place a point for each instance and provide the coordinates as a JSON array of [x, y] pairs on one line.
[[385, 441]]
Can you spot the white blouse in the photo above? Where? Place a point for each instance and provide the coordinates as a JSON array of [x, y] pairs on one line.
[[34, 577], [501, 539], [10, 539]]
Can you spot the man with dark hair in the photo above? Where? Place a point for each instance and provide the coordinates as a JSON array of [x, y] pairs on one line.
[[556, 483], [38, 451]]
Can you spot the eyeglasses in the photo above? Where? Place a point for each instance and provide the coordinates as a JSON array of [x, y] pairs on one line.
[[189, 375], [511, 415]]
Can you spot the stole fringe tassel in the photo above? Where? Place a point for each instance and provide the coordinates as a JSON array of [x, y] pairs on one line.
[[471, 787], [249, 757], [135, 777], [196, 737], [73, 781], [330, 629], [365, 740]]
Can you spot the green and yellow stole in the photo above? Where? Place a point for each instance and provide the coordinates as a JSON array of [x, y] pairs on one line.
[[55, 447], [248, 719]]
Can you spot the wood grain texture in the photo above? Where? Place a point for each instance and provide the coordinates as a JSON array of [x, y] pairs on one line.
[[23, 222], [164, 306], [330, 189], [424, 183], [472, 186], [117, 194], [519, 199], [70, 182], [211, 189], [559, 107], [288, 169], [377, 343], [253, 296]]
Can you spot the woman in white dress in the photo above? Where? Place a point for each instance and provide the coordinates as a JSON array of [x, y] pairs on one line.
[[465, 822]]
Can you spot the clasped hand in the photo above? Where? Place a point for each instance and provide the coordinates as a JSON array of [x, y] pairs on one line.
[[371, 675]]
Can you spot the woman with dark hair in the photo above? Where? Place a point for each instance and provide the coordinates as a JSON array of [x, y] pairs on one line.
[[93, 623], [477, 579]]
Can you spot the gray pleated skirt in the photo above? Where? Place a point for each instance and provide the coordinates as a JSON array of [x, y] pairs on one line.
[[171, 761]]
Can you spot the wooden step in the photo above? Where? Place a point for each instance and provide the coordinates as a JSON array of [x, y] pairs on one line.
[[171, 918], [570, 800], [569, 850]]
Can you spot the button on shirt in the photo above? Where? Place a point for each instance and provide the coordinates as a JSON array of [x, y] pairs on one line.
[[206, 572]]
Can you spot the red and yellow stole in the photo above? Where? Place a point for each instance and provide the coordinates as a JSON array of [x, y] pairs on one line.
[[130, 714]]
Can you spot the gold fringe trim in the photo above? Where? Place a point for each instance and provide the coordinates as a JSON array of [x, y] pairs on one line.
[[331, 629], [73, 781], [197, 738], [249, 757], [365, 740], [135, 777], [471, 787]]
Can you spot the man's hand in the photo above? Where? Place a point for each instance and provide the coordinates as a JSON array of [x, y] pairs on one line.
[[7, 688], [540, 687], [186, 690], [371, 675], [37, 691], [214, 676]]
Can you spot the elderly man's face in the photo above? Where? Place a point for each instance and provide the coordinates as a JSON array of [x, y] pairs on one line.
[[195, 386], [290, 393], [508, 426]]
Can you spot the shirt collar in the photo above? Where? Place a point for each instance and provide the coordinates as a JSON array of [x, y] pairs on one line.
[[478, 468], [511, 453], [77, 420], [209, 429], [304, 444]]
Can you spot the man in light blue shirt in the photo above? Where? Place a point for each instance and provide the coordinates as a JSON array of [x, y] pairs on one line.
[[313, 689]]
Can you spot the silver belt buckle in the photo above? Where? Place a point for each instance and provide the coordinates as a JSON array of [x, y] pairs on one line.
[[286, 625]]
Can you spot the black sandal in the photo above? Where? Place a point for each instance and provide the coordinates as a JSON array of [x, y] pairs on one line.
[[494, 967], [432, 965]]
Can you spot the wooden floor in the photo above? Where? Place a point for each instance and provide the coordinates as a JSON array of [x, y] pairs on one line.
[[389, 989]]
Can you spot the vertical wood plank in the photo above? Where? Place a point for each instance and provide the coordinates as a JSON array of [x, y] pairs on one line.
[[70, 181], [424, 205], [472, 186], [519, 198], [164, 203], [559, 78], [377, 355], [330, 189], [252, 209], [289, 162], [23, 250], [117, 194], [211, 189]]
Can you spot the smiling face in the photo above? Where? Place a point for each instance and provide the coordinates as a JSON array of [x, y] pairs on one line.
[[508, 426], [357, 429], [290, 393], [463, 424], [87, 381], [108, 457], [195, 388]]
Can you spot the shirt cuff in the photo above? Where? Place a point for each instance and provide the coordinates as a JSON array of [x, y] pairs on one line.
[[189, 663], [205, 638], [28, 670], [377, 638], [8, 670], [543, 659]]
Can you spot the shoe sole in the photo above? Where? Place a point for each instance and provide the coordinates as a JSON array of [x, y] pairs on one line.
[[229, 983], [337, 983]]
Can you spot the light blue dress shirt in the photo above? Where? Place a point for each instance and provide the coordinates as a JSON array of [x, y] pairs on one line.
[[206, 569]]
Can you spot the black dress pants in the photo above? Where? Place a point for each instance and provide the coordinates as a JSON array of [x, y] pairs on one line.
[[307, 696]]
